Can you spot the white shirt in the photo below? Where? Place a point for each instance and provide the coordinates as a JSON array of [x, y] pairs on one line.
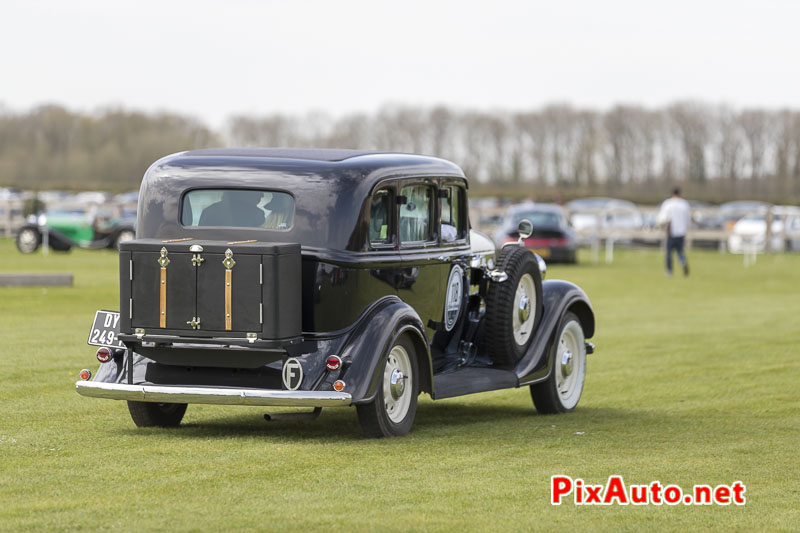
[[675, 212]]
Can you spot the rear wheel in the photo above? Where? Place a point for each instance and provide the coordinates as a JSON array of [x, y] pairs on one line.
[[562, 389], [122, 236], [513, 306], [28, 240], [391, 413], [149, 414]]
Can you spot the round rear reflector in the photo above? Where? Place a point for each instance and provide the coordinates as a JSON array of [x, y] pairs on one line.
[[338, 385], [86, 374], [103, 354], [333, 362]]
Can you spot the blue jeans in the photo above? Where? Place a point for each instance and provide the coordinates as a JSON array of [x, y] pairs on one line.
[[675, 243]]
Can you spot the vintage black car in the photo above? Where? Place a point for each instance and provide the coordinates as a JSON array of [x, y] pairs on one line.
[[289, 277]]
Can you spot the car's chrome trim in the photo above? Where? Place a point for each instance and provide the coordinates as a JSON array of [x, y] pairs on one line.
[[211, 395]]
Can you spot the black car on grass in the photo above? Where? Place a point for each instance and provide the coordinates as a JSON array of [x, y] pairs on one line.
[[315, 278]]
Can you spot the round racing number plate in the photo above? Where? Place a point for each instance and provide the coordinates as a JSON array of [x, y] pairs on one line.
[[455, 291], [292, 374]]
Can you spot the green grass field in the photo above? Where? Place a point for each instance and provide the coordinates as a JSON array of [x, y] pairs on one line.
[[694, 381]]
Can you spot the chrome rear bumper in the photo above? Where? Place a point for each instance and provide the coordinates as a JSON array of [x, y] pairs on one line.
[[211, 395]]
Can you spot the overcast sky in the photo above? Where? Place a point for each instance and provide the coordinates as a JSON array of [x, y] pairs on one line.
[[213, 59]]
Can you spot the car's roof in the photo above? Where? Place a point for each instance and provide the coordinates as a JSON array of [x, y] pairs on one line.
[[307, 154], [302, 164], [330, 188]]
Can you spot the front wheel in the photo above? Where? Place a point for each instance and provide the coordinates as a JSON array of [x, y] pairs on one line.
[[28, 240], [149, 414], [391, 413], [562, 389]]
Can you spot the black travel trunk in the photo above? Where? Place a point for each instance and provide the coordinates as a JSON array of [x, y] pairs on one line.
[[210, 289]]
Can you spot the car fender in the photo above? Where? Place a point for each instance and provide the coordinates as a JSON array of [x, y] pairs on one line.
[[559, 297], [55, 239], [370, 340]]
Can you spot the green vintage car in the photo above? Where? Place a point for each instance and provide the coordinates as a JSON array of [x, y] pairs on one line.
[[61, 229]]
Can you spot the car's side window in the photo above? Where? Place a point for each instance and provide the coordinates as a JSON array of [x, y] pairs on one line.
[[452, 207], [416, 213], [380, 218]]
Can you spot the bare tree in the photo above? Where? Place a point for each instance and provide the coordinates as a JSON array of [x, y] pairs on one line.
[[691, 120]]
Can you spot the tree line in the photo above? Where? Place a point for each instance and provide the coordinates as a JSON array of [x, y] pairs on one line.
[[50, 147], [715, 152]]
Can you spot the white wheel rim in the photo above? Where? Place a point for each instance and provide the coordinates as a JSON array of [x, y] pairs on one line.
[[397, 399], [27, 239], [524, 311], [570, 364], [126, 236]]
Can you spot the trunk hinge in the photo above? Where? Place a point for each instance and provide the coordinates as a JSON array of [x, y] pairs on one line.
[[163, 261], [229, 263]]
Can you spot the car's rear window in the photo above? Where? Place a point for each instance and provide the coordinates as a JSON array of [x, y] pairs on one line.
[[238, 208]]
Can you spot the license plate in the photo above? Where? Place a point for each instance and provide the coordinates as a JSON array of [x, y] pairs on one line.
[[543, 252], [105, 330]]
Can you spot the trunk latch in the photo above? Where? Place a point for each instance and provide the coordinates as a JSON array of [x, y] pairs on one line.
[[194, 322], [196, 250]]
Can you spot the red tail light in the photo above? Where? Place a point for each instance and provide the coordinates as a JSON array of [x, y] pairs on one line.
[[103, 354], [333, 362]]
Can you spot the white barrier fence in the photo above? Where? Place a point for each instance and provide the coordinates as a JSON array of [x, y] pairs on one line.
[[11, 217]]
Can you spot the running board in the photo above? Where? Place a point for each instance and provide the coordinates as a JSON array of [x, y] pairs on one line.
[[470, 380]]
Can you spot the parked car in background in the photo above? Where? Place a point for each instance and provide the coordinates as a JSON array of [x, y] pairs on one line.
[[587, 216], [731, 212], [552, 237], [84, 227], [749, 234], [92, 197], [596, 203], [705, 216]]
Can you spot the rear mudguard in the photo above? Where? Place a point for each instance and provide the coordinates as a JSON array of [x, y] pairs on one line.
[[370, 341], [559, 297]]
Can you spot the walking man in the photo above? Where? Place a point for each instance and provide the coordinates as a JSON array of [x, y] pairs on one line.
[[675, 214]]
